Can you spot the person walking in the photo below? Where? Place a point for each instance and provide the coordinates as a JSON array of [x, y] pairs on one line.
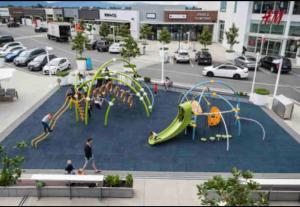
[[244, 50], [89, 158], [155, 88], [45, 122]]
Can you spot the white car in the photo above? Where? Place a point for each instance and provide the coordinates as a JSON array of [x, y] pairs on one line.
[[116, 47], [182, 56], [10, 44], [226, 70], [56, 65], [10, 49]]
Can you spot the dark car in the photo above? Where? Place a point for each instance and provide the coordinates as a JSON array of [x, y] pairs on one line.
[[203, 58], [102, 45], [39, 62], [12, 55], [5, 39], [28, 55], [271, 63], [41, 29], [13, 24]]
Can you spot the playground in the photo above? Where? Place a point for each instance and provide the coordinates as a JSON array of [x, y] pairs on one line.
[[171, 131]]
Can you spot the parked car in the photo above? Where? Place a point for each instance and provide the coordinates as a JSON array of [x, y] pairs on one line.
[[39, 62], [116, 47], [203, 58], [41, 29], [10, 49], [5, 39], [102, 45], [10, 44], [271, 62], [13, 24], [182, 56], [247, 61], [12, 55], [28, 55], [226, 70], [56, 65]]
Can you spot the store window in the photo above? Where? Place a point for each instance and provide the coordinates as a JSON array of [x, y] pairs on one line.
[[257, 7], [251, 44], [264, 28], [267, 5], [259, 27], [283, 5], [235, 6], [291, 48], [295, 29], [278, 28], [261, 7], [296, 7], [254, 26], [221, 30], [223, 6]]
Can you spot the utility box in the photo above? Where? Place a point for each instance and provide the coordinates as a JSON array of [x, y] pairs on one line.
[[283, 106]]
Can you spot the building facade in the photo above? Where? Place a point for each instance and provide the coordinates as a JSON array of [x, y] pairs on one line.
[[254, 34]]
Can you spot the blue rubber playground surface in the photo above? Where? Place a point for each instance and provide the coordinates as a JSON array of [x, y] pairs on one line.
[[123, 145]]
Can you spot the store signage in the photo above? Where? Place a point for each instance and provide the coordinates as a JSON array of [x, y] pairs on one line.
[[110, 15], [271, 17], [151, 15], [177, 16]]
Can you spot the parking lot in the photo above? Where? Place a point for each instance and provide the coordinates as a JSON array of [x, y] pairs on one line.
[[179, 73]]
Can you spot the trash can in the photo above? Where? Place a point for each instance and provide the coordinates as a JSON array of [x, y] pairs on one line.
[[89, 65], [283, 107]]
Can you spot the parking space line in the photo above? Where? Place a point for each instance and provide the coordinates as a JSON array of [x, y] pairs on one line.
[[295, 74]]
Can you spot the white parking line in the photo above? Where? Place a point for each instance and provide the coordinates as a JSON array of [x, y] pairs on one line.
[[264, 71], [29, 37], [295, 74]]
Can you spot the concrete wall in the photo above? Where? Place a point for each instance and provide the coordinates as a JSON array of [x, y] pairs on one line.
[[71, 13], [88, 13]]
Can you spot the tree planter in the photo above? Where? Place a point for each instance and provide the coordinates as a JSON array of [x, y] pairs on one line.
[[230, 55], [81, 65], [260, 97]]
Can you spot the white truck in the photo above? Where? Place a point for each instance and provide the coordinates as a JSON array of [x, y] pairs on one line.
[[59, 31]]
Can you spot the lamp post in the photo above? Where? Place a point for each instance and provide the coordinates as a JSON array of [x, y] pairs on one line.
[[279, 64], [162, 55], [47, 52], [113, 27]]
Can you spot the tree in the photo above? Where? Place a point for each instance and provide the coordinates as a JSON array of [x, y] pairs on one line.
[[232, 192], [205, 37], [130, 49], [164, 36], [124, 30], [11, 166], [104, 30], [78, 43], [231, 36], [146, 31]]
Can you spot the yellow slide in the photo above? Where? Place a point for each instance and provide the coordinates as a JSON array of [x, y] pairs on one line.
[[56, 116]]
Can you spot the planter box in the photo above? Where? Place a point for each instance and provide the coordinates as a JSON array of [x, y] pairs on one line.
[[81, 65], [260, 100], [229, 55]]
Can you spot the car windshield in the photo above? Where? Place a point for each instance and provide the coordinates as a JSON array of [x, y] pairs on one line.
[[24, 54], [39, 58], [15, 52], [184, 53], [54, 62]]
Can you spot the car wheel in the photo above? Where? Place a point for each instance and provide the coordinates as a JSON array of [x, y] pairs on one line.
[[273, 69], [237, 76], [210, 74]]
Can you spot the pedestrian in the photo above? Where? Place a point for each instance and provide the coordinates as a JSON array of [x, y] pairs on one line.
[[89, 158], [155, 88], [45, 122], [168, 83], [98, 101], [244, 50], [69, 168]]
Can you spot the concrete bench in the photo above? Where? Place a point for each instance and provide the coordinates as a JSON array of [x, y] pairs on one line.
[[68, 180]]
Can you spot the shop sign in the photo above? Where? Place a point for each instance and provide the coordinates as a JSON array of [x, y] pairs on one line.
[[177, 16], [271, 17], [110, 15], [151, 15]]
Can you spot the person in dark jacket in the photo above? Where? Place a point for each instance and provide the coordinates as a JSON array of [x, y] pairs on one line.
[[69, 168], [89, 158]]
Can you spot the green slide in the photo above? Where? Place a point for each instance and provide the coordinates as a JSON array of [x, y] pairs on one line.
[[182, 120]]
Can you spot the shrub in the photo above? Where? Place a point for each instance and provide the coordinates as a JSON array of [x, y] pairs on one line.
[[62, 73], [109, 180], [129, 180], [116, 181], [147, 79], [230, 51], [262, 91]]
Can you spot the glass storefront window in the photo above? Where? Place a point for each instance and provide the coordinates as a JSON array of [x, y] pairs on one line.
[[221, 30], [277, 29], [257, 7], [254, 26], [223, 6], [296, 7], [251, 44], [282, 5], [235, 6], [291, 49], [264, 28], [267, 5], [269, 47], [294, 29], [261, 7]]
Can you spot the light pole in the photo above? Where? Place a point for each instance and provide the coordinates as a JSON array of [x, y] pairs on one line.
[[280, 62], [47, 52], [162, 55], [113, 27]]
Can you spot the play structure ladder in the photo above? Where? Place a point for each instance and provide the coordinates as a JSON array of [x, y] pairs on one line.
[[81, 111]]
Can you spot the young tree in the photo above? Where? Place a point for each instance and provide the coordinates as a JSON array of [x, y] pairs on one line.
[[205, 37], [164, 36], [124, 30], [231, 36], [232, 191], [78, 44], [104, 30], [146, 31], [130, 49]]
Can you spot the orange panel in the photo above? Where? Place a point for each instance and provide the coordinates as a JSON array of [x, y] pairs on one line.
[[214, 119]]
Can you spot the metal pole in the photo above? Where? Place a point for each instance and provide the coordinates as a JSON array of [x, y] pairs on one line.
[[114, 33], [255, 72], [162, 64], [277, 80], [48, 63]]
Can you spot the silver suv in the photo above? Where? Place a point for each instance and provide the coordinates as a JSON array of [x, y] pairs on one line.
[[245, 61]]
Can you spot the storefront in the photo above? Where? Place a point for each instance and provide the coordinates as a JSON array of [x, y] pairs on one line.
[[35, 13], [16, 13], [89, 14], [4, 15], [54, 14], [70, 14], [116, 18]]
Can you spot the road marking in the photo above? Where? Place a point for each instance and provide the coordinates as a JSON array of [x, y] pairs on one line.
[[264, 71], [295, 74], [29, 37]]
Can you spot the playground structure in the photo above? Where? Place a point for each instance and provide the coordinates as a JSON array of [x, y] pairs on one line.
[[111, 86], [215, 123]]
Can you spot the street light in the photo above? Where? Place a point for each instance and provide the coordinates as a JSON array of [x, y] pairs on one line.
[[113, 27], [47, 51]]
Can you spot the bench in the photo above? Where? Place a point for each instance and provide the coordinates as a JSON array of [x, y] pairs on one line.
[[68, 180]]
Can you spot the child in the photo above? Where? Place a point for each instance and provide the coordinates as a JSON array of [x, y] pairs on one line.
[[81, 172], [155, 88], [69, 168]]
